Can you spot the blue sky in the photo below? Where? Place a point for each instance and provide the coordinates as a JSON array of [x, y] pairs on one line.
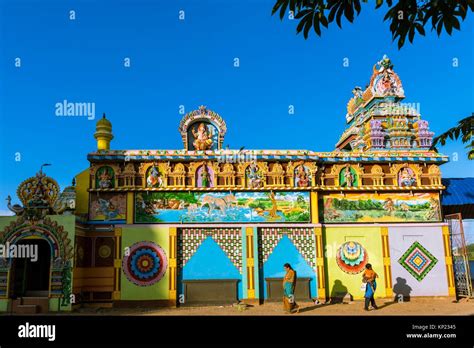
[[191, 63]]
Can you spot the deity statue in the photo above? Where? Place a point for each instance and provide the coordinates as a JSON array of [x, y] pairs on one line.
[[39, 196], [302, 177], [357, 91], [105, 180], [407, 177], [154, 178], [348, 177], [202, 137], [254, 176], [205, 177]]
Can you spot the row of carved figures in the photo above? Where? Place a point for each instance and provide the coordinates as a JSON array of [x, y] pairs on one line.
[[206, 174]]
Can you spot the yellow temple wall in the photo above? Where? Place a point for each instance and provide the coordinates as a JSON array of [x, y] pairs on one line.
[[339, 282], [159, 290], [82, 196]]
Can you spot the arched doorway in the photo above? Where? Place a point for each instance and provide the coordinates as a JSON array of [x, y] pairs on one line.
[[30, 270]]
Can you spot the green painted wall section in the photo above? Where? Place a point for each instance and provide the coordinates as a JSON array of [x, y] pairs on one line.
[[159, 290], [3, 305], [337, 280], [5, 221]]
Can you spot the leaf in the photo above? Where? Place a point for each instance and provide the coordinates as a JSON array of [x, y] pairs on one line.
[[300, 26], [439, 27], [448, 25], [302, 13], [282, 4], [420, 29], [456, 23], [456, 133], [316, 25], [340, 11], [323, 20], [401, 42], [357, 6], [411, 34], [349, 12], [332, 13], [283, 9], [307, 26]]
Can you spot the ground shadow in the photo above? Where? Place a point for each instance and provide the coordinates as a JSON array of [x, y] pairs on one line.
[[339, 292], [312, 308], [386, 304], [401, 290]]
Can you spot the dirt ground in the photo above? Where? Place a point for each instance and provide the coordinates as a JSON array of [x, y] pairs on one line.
[[416, 306]]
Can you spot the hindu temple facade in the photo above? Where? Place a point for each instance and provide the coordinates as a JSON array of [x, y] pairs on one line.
[[205, 224]]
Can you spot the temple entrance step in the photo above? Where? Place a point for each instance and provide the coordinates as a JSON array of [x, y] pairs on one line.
[[26, 309], [24, 305]]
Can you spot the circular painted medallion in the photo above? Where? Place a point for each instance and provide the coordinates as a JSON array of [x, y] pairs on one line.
[[105, 251], [145, 263], [351, 257]]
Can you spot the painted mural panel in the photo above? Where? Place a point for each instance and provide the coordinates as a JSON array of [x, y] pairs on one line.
[[348, 250], [384, 207], [418, 262], [108, 207], [191, 207]]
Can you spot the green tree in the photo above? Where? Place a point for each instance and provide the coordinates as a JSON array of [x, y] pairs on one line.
[[406, 17], [464, 129]]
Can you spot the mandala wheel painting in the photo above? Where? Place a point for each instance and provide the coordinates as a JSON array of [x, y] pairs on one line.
[[351, 257], [145, 264]]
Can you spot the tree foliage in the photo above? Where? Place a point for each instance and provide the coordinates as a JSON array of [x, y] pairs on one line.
[[464, 129], [407, 17]]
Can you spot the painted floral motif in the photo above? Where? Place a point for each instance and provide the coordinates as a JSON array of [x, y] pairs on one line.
[[351, 257]]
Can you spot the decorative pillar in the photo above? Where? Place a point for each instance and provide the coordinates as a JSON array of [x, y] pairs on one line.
[[117, 262], [130, 208], [387, 267], [314, 207], [320, 272], [173, 246], [449, 261], [250, 262]]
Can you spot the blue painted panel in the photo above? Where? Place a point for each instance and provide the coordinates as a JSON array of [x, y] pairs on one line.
[[286, 252], [210, 262]]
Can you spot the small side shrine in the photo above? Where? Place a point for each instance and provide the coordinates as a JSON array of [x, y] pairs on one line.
[[38, 248]]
